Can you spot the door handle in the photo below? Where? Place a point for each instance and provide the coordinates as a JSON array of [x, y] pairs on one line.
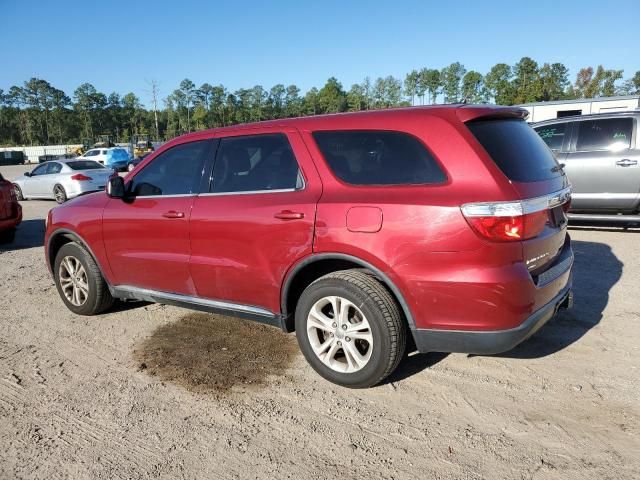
[[173, 214], [289, 215], [625, 162]]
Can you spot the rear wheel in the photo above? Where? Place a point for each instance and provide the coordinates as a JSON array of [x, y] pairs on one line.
[[130, 167], [350, 329], [60, 194], [79, 281]]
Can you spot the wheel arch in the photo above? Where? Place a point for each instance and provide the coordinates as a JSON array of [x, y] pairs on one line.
[[315, 266], [63, 236]]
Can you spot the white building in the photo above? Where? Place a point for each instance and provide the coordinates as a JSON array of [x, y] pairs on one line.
[[565, 108]]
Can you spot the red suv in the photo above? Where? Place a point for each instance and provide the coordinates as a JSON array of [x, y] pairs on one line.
[[355, 230], [10, 210]]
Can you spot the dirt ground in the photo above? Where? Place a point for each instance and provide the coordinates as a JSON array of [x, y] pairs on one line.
[[151, 391]]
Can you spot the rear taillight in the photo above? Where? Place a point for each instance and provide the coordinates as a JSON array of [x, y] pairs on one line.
[[80, 177], [513, 221], [509, 228]]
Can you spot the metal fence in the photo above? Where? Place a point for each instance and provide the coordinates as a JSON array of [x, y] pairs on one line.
[[39, 153]]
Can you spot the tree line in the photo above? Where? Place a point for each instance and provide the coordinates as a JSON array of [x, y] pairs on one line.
[[39, 113]]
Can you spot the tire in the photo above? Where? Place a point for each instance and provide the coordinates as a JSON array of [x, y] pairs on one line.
[[59, 193], [18, 192], [130, 167], [372, 315], [8, 236], [97, 297]]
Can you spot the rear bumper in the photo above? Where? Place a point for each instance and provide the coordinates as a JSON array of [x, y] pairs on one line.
[[12, 222], [492, 341]]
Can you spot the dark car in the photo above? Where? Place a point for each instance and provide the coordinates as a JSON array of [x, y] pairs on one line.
[[446, 224], [10, 211], [133, 163], [601, 154]]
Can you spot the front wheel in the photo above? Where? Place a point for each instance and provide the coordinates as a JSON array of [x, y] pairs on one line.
[[350, 329], [79, 281], [59, 194], [130, 167]]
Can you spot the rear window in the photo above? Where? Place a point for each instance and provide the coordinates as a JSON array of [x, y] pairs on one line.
[[84, 165], [376, 157], [612, 134], [516, 149], [553, 135]]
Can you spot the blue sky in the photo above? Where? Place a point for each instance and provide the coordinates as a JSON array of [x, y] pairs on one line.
[[120, 45]]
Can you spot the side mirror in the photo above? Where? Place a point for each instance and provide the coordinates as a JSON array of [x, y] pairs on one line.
[[115, 187], [27, 174]]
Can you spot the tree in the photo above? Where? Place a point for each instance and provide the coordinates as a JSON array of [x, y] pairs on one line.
[[630, 86], [472, 91], [332, 98], [554, 80], [356, 98], [276, 101], [293, 102], [311, 106], [498, 84], [411, 85], [187, 89], [154, 90], [526, 82], [85, 97], [451, 78]]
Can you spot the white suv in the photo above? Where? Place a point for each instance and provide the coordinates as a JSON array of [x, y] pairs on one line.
[[96, 154]]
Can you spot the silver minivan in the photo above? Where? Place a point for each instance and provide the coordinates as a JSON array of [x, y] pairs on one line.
[[601, 154]]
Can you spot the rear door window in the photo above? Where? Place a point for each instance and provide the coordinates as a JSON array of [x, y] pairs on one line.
[[516, 149], [378, 157], [553, 135], [613, 134]]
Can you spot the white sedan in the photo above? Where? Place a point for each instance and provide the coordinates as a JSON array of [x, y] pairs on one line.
[[62, 179]]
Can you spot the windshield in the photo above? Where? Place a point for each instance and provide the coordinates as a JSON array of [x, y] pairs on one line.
[[84, 165]]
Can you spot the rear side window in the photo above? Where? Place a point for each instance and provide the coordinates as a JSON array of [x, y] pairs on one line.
[[516, 149], [84, 165], [54, 167], [553, 135], [177, 171], [612, 134], [377, 157], [255, 163]]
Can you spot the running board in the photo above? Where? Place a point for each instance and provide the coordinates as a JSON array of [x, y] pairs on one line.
[[127, 292], [595, 217]]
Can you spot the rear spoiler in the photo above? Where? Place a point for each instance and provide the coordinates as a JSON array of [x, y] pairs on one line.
[[468, 113]]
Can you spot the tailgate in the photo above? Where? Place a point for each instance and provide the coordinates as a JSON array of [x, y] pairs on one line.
[[538, 180]]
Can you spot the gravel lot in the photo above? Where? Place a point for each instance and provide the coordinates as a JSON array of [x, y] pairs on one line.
[[151, 391]]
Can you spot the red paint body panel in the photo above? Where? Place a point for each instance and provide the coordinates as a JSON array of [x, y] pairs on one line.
[[10, 209], [240, 251], [232, 247], [146, 249]]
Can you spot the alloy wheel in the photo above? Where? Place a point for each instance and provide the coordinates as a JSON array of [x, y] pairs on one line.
[[59, 194], [339, 334], [73, 281]]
